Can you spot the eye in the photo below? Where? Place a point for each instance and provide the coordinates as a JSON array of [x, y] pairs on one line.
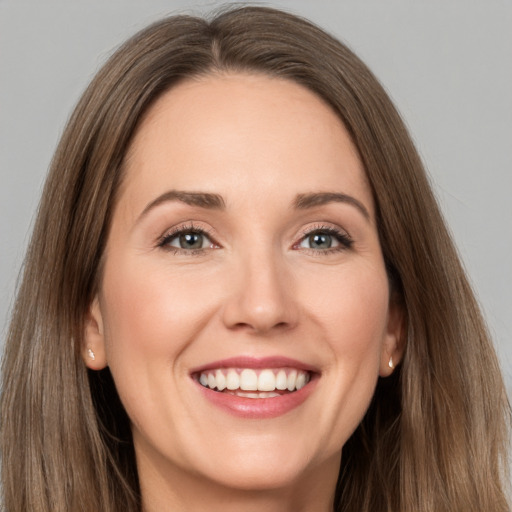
[[325, 240], [187, 239], [319, 241]]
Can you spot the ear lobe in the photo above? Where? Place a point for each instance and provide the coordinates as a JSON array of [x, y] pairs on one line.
[[93, 347], [393, 347]]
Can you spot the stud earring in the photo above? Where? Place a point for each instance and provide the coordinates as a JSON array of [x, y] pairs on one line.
[[91, 354], [390, 364]]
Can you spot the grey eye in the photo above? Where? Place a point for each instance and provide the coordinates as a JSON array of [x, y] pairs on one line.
[[189, 240], [319, 241]]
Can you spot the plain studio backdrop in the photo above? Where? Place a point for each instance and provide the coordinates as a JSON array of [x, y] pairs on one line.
[[446, 64]]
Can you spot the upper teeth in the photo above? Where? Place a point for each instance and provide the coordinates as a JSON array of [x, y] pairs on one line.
[[248, 379]]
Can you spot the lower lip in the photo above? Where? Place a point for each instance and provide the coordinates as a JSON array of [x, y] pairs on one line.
[[259, 408]]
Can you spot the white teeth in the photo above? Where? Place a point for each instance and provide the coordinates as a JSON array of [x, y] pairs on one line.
[[247, 395], [267, 381], [268, 395], [255, 395], [247, 382], [281, 380], [220, 379], [292, 377], [232, 380], [301, 381]]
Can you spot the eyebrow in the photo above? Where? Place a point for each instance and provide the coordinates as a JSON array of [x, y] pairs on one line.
[[304, 201], [216, 202], [200, 199]]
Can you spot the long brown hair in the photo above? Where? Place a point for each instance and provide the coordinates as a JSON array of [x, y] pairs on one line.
[[435, 436]]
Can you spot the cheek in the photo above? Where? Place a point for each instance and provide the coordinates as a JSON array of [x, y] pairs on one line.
[[150, 315], [151, 318], [352, 307], [353, 314]]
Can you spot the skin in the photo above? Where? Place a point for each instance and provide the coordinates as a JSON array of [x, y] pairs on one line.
[[257, 288]]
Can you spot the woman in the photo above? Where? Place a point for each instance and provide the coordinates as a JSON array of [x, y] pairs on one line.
[[240, 293]]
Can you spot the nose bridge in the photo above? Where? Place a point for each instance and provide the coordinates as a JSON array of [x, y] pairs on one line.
[[261, 298]]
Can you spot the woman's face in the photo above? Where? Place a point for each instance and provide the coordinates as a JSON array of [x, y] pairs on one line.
[[244, 308]]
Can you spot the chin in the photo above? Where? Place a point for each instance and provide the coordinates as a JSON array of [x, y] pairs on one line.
[[255, 476], [274, 463]]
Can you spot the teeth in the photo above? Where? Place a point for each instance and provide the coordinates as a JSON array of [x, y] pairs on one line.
[[299, 383], [266, 381], [281, 380], [268, 395], [247, 395], [220, 380], [254, 395], [203, 379], [292, 378], [232, 380], [248, 382]]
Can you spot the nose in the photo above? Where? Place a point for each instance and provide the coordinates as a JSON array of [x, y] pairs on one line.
[[260, 298]]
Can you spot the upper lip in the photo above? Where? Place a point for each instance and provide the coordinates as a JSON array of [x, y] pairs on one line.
[[256, 363]]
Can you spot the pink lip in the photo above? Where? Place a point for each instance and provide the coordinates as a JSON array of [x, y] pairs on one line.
[[260, 408], [256, 363]]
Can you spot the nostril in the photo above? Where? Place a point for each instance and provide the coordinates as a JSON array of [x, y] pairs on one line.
[[260, 303], [260, 327]]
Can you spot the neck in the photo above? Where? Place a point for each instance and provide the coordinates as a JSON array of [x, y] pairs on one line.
[[179, 491]]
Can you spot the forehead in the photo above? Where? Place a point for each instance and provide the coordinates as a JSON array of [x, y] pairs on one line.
[[245, 136]]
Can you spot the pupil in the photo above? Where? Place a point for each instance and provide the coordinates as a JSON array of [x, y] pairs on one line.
[[191, 241], [320, 241]]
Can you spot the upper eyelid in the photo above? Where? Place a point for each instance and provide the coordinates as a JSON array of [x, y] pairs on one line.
[[324, 227], [171, 233]]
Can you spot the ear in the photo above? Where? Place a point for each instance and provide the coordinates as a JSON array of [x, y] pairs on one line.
[[393, 346], [93, 348]]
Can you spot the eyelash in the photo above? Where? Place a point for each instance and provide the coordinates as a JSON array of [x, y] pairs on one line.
[[163, 241], [342, 237]]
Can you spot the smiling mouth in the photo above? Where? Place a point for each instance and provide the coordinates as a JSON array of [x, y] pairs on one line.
[[254, 383]]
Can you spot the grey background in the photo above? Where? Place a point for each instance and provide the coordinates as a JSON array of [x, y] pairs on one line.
[[446, 64]]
